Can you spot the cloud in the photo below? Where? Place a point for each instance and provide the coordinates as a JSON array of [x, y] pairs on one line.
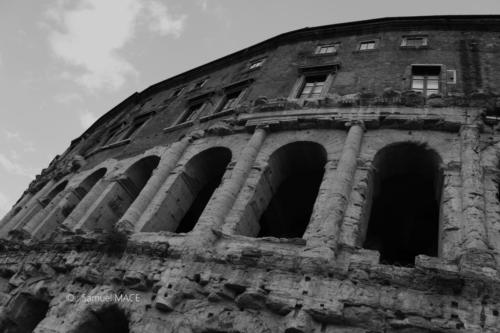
[[90, 35], [15, 168], [26, 145], [87, 118], [68, 98], [162, 22]]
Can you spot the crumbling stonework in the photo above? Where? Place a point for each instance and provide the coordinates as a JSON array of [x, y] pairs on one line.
[[252, 204]]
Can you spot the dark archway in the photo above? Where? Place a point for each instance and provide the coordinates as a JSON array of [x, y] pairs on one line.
[[295, 173], [52, 194], [82, 190], [110, 319], [201, 177], [404, 219], [24, 314]]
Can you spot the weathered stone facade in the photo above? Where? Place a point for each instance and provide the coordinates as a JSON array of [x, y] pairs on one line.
[[341, 178]]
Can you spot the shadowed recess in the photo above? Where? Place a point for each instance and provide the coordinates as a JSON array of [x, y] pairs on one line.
[[295, 173], [108, 320], [202, 176], [404, 220]]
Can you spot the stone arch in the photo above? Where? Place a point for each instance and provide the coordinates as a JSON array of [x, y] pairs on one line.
[[105, 320], [23, 314], [406, 192], [83, 189], [282, 202], [134, 180], [190, 190], [53, 193]]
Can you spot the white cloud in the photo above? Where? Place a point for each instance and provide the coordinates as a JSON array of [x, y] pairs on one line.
[[162, 22], [4, 204], [15, 168], [86, 118], [90, 36], [68, 98], [25, 145]]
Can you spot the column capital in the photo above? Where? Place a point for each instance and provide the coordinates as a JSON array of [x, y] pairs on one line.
[[355, 122]]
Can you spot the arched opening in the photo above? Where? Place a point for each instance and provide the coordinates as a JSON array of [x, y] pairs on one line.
[[404, 219], [82, 190], [201, 176], [24, 314], [294, 174], [52, 194], [107, 320], [132, 184]]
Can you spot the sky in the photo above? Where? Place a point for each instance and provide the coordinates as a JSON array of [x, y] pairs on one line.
[[64, 63]]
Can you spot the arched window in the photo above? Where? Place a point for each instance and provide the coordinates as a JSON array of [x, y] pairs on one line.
[[134, 181], [404, 219], [24, 313], [82, 189], [201, 176], [107, 320], [52, 194], [283, 195], [188, 192]]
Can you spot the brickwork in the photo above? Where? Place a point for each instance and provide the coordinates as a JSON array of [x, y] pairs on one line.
[[173, 227]]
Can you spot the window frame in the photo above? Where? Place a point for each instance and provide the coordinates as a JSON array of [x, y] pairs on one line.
[[405, 39], [256, 63], [318, 49], [373, 42], [178, 92], [328, 71], [424, 90]]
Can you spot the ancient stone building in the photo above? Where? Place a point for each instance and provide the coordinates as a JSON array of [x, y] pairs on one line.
[[341, 178]]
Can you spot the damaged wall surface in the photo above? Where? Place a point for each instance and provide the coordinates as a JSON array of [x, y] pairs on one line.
[[342, 178]]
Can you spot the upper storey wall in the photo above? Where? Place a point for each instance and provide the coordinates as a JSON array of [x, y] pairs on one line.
[[472, 54]]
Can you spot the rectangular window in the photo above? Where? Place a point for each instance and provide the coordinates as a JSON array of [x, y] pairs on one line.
[[136, 125], [367, 45], [414, 41], [256, 63], [425, 79], [177, 92], [313, 86], [231, 100], [451, 76], [200, 84], [326, 49], [192, 112]]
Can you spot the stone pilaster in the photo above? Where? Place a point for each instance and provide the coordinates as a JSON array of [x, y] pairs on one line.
[[450, 215], [32, 207], [168, 162], [83, 206], [107, 209], [325, 230], [38, 228], [475, 245], [16, 209], [224, 197]]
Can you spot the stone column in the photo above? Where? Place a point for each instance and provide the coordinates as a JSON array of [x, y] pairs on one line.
[[16, 209], [325, 230], [450, 214], [44, 225], [357, 214], [83, 206], [29, 224], [475, 245], [224, 197], [168, 162], [107, 209], [32, 207]]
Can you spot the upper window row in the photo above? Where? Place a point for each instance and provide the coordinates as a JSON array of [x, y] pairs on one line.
[[371, 44]]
